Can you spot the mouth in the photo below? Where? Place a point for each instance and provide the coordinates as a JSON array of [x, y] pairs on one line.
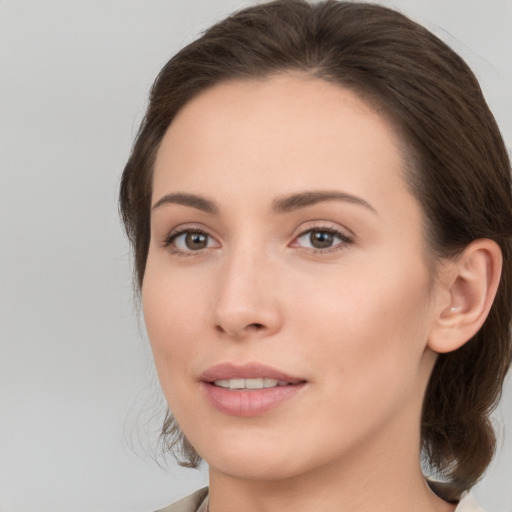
[[248, 390], [250, 384]]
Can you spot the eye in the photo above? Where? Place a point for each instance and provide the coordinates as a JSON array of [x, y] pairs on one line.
[[190, 241], [321, 239]]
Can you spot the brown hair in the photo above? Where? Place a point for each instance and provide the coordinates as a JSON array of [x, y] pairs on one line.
[[460, 173]]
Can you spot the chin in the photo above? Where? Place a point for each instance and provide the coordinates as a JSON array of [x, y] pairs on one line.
[[252, 460], [256, 467], [266, 460]]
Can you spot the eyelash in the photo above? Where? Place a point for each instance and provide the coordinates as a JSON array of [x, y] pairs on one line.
[[344, 240], [171, 239]]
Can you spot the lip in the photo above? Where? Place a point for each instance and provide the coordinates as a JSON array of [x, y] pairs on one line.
[[226, 371], [247, 403]]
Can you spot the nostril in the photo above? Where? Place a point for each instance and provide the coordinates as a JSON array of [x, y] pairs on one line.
[[239, 331]]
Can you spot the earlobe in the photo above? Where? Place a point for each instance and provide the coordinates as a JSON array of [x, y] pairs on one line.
[[468, 287]]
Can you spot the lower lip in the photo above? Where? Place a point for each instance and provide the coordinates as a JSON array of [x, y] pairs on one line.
[[246, 403]]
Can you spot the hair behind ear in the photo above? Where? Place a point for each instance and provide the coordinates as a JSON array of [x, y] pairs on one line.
[[457, 434]]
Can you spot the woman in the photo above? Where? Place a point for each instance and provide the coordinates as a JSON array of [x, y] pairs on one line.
[[319, 203]]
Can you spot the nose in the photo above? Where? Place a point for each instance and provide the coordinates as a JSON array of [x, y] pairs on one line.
[[246, 302]]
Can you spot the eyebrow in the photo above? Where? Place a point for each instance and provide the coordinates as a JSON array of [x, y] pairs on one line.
[[294, 202], [191, 200], [284, 204]]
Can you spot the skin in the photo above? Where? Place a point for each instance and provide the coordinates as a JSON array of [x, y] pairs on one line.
[[354, 320]]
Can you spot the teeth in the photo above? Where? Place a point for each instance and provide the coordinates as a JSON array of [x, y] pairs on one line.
[[254, 383], [222, 383], [236, 384], [250, 383]]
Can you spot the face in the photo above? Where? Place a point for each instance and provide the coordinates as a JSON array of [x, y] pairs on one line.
[[286, 295]]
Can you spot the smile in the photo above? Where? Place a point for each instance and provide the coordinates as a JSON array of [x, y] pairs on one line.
[[248, 390], [250, 383]]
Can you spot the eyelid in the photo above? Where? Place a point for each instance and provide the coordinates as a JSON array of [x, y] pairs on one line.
[[344, 234], [327, 225], [187, 228]]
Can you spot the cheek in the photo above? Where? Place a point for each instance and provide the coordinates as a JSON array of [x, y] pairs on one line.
[[367, 323], [365, 341], [171, 314]]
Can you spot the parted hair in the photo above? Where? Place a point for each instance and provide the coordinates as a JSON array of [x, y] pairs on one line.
[[459, 170]]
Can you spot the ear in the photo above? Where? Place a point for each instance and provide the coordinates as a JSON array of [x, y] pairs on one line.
[[467, 287]]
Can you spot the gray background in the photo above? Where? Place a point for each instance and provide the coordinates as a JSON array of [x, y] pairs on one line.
[[78, 397]]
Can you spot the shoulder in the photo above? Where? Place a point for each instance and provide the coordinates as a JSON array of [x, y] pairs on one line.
[[468, 504], [195, 502]]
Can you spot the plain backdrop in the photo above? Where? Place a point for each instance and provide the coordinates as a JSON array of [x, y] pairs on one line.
[[77, 388]]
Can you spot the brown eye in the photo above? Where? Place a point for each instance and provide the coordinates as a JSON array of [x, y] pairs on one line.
[[321, 239], [190, 241], [196, 241]]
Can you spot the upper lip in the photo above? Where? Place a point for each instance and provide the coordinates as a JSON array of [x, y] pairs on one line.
[[227, 371]]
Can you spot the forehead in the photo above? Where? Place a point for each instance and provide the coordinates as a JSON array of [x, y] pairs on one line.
[[277, 135]]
